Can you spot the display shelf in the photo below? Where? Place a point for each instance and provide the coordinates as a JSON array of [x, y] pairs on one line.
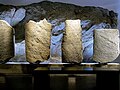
[[107, 75]]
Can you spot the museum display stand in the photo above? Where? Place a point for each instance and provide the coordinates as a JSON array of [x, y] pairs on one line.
[[107, 75]]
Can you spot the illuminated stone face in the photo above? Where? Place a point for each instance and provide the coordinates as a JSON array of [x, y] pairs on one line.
[[106, 45], [37, 39], [72, 42], [6, 41]]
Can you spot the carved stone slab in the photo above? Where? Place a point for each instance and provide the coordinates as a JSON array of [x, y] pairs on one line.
[[6, 41], [72, 42], [37, 39], [106, 45]]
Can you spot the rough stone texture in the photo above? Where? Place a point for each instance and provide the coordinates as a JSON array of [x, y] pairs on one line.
[[6, 41], [60, 12], [87, 38], [72, 42], [56, 13], [106, 45], [37, 39]]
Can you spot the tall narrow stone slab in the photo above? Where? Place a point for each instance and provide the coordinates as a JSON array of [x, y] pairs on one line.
[[6, 41], [37, 40], [72, 42], [106, 45]]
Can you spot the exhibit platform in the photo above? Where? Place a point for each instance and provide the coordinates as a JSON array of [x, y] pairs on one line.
[[107, 75]]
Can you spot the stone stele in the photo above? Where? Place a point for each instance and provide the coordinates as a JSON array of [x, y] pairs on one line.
[[37, 40], [106, 45], [72, 42], [6, 41]]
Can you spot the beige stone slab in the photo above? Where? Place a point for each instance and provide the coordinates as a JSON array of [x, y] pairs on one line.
[[72, 42], [106, 45], [37, 40], [6, 41]]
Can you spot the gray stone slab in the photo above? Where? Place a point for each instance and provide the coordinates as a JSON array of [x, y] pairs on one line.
[[106, 45]]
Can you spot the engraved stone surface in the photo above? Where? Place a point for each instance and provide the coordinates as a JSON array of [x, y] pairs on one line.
[[37, 39], [6, 41], [106, 45], [72, 42]]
